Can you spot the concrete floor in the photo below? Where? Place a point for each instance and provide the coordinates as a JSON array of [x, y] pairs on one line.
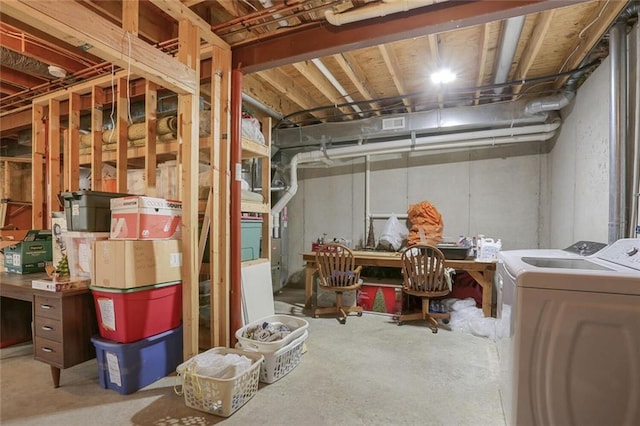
[[367, 372]]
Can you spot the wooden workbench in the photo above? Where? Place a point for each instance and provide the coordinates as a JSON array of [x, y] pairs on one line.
[[482, 272]]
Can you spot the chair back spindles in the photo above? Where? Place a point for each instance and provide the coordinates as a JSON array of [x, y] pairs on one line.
[[336, 265], [423, 268]]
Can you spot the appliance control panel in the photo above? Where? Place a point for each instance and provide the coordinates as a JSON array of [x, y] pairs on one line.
[[585, 248], [624, 252]]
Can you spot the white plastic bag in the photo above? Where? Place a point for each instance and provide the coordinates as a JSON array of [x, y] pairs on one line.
[[393, 233]]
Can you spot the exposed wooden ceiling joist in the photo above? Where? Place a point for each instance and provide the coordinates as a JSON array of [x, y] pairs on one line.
[[179, 12], [390, 61], [590, 35], [326, 40], [315, 77], [355, 77], [531, 50], [20, 79], [78, 26]]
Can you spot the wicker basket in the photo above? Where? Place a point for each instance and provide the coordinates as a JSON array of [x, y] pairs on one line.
[[221, 397]]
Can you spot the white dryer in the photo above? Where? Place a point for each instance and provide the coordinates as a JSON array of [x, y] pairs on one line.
[[570, 337]]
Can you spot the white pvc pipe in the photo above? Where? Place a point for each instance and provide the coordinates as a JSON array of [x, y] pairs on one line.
[[318, 63], [377, 10], [450, 141], [507, 50]]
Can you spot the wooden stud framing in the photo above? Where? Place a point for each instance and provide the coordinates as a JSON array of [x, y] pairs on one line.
[[122, 141], [220, 229], [38, 142], [97, 103], [78, 26], [53, 163], [188, 119], [266, 190], [72, 147], [150, 113]]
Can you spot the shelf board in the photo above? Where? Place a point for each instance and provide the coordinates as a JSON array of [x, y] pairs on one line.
[[255, 261], [251, 149], [139, 151], [254, 207]]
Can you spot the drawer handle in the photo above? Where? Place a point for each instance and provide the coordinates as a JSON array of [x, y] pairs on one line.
[[46, 306], [47, 350], [47, 328]]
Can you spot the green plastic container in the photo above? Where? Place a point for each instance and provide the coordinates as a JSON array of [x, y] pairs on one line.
[[88, 211], [251, 233]]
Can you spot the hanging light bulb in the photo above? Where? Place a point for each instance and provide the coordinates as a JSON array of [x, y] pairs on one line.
[[443, 76]]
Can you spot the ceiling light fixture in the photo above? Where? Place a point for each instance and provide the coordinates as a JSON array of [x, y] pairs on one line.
[[443, 76], [57, 71]]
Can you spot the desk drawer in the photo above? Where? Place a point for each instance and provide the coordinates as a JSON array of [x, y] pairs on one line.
[[48, 351], [49, 307], [48, 328]]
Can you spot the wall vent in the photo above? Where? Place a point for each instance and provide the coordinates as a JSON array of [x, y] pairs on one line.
[[393, 123]]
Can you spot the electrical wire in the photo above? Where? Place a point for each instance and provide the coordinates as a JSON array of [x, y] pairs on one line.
[[460, 91]]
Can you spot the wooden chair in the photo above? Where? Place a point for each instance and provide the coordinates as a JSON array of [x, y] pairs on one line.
[[424, 277], [337, 273]]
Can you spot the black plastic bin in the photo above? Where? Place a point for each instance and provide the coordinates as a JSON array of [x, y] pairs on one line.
[[88, 211]]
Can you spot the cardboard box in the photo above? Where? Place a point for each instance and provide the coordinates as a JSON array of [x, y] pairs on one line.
[[145, 218], [29, 255], [130, 263], [79, 248], [51, 285]]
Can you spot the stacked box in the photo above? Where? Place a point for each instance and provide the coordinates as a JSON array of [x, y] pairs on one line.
[[125, 316], [145, 218], [79, 250], [88, 211], [127, 368], [29, 255], [132, 264]]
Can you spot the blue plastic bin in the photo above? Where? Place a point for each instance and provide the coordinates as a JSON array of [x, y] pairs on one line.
[[128, 367]]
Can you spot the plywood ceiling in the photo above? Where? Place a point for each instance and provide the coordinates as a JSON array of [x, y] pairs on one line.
[[307, 70]]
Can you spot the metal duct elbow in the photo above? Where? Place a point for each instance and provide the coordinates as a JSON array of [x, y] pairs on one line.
[[550, 103]]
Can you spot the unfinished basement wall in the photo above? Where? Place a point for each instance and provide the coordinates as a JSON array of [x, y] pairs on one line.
[[579, 166], [494, 191]]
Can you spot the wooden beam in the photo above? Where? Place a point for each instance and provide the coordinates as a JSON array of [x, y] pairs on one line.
[[20, 79], [72, 152], [435, 58], [150, 158], [38, 149], [188, 129], [78, 26], [390, 60], [130, 14], [590, 36], [179, 12], [325, 40], [97, 103], [482, 62], [356, 78], [531, 50], [315, 77], [121, 133], [44, 53], [53, 161], [282, 83]]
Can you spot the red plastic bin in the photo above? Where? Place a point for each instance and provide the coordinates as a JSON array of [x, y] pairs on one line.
[[128, 315]]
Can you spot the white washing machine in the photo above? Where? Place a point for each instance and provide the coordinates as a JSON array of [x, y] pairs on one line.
[[569, 336]]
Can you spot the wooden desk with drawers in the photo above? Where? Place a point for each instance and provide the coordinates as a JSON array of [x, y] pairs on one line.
[[63, 322], [482, 272]]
